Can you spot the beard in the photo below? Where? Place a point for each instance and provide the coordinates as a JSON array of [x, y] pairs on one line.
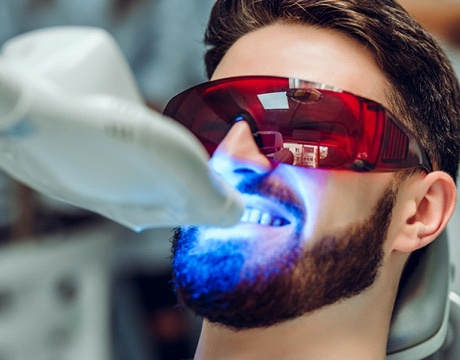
[[223, 287]]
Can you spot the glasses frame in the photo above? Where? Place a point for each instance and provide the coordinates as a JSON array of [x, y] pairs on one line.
[[376, 140]]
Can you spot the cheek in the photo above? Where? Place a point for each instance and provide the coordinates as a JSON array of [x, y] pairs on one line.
[[313, 188], [337, 198]]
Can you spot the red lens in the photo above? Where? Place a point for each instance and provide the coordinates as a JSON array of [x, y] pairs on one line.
[[322, 126]]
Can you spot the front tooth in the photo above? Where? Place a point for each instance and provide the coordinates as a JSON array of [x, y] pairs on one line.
[[254, 216], [245, 216], [266, 219]]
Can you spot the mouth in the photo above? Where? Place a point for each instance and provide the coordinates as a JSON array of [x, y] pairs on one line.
[[257, 216]]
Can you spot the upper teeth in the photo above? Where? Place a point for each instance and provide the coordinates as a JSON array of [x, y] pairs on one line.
[[256, 216]]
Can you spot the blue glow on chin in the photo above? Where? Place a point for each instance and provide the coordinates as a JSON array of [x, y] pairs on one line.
[[207, 267], [207, 272]]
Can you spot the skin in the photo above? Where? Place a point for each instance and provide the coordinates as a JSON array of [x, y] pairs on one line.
[[423, 206]]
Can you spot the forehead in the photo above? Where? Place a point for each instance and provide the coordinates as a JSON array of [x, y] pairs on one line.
[[308, 53]]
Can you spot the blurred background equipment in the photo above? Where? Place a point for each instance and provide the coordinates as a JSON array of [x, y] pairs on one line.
[[54, 296], [162, 42]]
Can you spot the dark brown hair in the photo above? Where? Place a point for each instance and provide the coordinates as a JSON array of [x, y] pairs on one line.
[[425, 90]]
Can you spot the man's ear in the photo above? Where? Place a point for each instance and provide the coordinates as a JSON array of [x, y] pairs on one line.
[[426, 207]]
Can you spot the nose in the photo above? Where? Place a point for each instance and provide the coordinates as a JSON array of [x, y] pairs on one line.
[[238, 154]]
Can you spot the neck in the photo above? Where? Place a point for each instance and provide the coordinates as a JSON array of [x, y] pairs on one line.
[[355, 328], [318, 336]]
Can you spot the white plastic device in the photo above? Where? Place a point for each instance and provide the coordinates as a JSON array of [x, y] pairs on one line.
[[74, 127]]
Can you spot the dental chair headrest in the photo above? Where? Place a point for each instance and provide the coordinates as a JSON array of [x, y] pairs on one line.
[[420, 318]]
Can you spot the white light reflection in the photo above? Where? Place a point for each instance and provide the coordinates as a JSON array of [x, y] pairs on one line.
[[275, 100]]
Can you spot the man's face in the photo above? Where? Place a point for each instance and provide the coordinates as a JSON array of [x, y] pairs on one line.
[[309, 237]]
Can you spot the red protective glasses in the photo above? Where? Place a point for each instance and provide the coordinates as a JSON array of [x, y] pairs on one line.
[[322, 126]]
